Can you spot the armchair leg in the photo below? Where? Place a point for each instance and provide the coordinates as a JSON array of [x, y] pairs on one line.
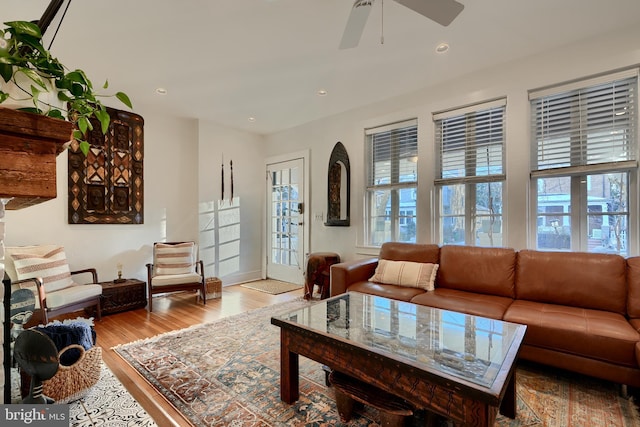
[[98, 310]]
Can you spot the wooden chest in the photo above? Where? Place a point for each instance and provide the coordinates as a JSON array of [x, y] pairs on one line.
[[127, 295]]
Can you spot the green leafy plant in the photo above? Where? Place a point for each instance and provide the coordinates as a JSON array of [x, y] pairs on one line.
[[30, 68]]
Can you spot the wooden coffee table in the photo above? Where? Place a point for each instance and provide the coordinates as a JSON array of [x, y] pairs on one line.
[[459, 366]]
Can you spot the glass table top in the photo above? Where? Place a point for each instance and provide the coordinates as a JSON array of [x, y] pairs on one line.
[[468, 347]]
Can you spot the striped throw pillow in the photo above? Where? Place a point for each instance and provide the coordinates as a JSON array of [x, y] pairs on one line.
[[406, 273], [52, 267], [175, 259]]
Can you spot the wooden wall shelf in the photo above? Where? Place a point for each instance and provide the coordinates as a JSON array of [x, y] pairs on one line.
[[29, 145]]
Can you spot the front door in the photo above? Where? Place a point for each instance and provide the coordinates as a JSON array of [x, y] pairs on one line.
[[285, 237]]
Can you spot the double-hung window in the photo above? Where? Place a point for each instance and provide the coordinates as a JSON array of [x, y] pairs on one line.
[[470, 173], [392, 182], [584, 164]]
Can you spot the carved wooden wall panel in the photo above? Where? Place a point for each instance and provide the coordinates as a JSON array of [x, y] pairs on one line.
[[107, 185]]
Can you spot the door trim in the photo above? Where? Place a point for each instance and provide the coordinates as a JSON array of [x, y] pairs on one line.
[[306, 161]]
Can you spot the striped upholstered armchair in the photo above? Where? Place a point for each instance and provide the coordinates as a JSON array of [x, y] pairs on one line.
[[44, 269], [175, 267]]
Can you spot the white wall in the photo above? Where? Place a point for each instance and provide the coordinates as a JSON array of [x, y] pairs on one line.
[[237, 254], [512, 80], [170, 187]]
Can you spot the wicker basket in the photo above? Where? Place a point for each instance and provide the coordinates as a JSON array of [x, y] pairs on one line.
[[74, 381], [214, 287]]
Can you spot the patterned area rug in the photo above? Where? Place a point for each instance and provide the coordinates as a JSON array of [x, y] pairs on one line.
[[227, 373], [271, 286], [108, 403]]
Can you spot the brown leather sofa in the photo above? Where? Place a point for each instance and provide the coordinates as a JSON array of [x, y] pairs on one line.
[[582, 310]]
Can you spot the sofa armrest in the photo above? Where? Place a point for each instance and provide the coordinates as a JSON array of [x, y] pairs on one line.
[[346, 273], [92, 271]]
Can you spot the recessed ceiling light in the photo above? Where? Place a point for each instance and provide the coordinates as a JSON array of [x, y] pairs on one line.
[[252, 119], [442, 48], [161, 91], [322, 92]]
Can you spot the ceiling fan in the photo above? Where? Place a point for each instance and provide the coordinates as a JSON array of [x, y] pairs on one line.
[[441, 11]]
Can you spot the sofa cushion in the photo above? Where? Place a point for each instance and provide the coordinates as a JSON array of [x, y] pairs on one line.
[[405, 273], [490, 306], [175, 259], [401, 293], [633, 279], [597, 334], [52, 267], [399, 251], [476, 269], [575, 279]]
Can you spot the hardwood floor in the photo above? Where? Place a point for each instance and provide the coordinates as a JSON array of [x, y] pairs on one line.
[[170, 312]]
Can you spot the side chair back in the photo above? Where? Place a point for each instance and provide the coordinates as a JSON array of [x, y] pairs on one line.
[[175, 267]]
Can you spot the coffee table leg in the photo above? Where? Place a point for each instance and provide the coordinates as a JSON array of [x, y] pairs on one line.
[[508, 405], [289, 382]]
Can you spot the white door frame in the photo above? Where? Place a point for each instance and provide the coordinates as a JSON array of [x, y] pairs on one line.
[[305, 156]]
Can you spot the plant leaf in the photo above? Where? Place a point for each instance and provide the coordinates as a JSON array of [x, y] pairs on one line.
[[3, 96], [104, 118], [35, 77], [124, 99], [83, 124], [76, 76], [106, 84], [84, 147], [25, 27], [55, 113], [6, 71]]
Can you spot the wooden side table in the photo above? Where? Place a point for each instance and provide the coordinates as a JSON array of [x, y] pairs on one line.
[[127, 295], [317, 273]]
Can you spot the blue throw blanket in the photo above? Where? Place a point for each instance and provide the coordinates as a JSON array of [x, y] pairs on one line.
[[74, 332]]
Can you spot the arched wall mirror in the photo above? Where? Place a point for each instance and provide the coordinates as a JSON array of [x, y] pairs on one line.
[[338, 187]]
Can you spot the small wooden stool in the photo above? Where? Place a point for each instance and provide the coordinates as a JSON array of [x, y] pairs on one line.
[[393, 410], [318, 273]]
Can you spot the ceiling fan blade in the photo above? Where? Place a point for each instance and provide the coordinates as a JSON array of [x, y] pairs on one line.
[[355, 24], [441, 11]]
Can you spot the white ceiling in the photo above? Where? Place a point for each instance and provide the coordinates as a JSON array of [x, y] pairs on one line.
[[228, 60]]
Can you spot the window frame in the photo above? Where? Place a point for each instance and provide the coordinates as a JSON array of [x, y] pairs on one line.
[[471, 178], [580, 169], [410, 127]]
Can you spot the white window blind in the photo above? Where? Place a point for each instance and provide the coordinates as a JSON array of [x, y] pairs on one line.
[[470, 143], [585, 125], [392, 151]]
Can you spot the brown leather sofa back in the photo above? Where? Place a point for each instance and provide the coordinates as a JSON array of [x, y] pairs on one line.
[[477, 269], [633, 281], [577, 279], [396, 251]]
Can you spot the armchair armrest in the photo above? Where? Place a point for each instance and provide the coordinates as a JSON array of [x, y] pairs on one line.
[[346, 273], [200, 268], [92, 271]]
